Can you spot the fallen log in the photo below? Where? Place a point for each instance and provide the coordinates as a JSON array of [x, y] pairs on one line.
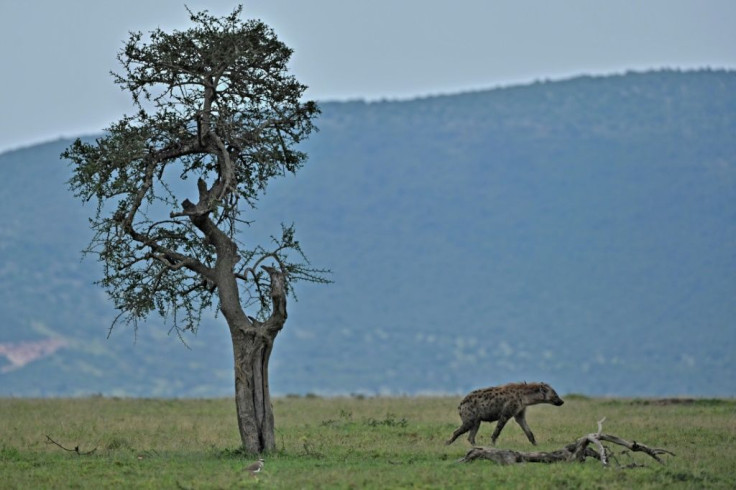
[[588, 446]]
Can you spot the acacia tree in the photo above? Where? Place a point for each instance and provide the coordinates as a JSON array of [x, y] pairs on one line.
[[216, 106]]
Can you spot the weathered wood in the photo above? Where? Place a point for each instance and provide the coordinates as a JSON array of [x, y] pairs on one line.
[[252, 347], [577, 451]]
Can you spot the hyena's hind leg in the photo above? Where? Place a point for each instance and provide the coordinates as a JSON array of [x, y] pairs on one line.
[[468, 425], [473, 432]]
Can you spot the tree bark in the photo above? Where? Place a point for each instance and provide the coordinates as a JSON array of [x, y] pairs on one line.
[[255, 416], [252, 347], [252, 340]]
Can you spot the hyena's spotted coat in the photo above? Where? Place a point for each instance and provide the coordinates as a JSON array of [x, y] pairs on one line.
[[501, 403]]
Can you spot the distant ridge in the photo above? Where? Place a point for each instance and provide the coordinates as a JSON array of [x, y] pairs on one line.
[[578, 231], [528, 82]]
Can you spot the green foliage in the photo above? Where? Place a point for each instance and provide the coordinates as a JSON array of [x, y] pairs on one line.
[[149, 443], [215, 105]]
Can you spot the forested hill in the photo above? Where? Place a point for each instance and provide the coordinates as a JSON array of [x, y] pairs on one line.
[[580, 232]]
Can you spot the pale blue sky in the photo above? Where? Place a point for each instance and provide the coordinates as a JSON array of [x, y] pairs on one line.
[[56, 54]]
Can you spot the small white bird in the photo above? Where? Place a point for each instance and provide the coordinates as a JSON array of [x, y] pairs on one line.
[[255, 467]]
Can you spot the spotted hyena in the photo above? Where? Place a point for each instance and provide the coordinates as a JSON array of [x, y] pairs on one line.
[[501, 403]]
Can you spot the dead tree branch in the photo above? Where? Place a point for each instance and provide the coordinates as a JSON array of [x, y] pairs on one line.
[[578, 451], [75, 450]]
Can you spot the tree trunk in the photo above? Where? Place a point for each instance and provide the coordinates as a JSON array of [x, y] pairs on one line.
[[252, 399], [252, 347], [252, 340]]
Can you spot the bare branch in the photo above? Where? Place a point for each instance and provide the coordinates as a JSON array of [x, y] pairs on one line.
[[76, 450], [575, 452], [637, 447]]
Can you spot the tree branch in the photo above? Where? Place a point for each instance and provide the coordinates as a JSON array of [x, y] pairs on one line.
[[575, 452], [75, 450], [278, 291], [216, 102]]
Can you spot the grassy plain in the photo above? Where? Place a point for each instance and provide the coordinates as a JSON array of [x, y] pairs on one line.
[[350, 443]]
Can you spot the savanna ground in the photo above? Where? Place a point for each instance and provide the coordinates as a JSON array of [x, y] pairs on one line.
[[351, 443]]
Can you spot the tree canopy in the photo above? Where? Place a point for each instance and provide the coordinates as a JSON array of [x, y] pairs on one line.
[[213, 104]]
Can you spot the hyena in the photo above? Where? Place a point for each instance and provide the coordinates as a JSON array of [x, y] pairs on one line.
[[501, 403]]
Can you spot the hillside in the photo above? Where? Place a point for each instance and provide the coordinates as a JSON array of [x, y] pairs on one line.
[[581, 232]]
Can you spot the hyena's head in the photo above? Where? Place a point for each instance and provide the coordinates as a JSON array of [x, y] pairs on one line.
[[549, 395]]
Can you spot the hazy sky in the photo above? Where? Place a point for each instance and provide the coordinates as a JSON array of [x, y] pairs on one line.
[[57, 54]]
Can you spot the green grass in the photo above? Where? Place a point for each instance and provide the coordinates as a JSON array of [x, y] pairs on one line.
[[350, 443]]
